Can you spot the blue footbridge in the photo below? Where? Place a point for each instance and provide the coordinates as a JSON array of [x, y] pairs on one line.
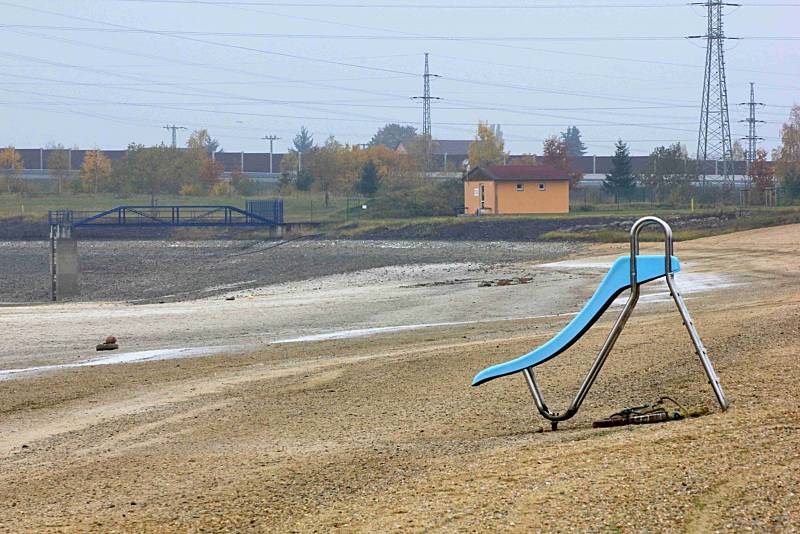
[[256, 214]]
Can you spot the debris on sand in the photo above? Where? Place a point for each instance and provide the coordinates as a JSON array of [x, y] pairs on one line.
[[110, 343], [503, 282]]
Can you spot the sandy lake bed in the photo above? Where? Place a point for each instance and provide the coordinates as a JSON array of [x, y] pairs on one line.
[[341, 400]]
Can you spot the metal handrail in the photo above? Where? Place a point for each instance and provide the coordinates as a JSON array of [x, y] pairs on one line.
[[619, 324]]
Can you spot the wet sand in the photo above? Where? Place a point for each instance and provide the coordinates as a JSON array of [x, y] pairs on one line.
[[383, 432]]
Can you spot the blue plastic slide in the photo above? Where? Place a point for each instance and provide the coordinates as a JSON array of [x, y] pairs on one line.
[[617, 280]]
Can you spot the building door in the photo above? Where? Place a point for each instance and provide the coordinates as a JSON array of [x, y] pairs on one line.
[[483, 196]]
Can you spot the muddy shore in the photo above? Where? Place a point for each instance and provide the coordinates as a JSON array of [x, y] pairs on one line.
[[153, 270]]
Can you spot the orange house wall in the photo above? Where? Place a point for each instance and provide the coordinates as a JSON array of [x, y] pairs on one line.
[[554, 198], [473, 203], [503, 197]]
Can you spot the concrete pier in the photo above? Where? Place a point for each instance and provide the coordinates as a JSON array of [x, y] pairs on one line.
[[64, 265]]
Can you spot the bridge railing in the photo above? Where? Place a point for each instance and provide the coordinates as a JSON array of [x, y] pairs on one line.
[[177, 216]]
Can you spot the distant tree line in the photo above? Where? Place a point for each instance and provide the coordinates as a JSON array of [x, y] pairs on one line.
[[378, 168], [671, 175], [337, 168], [142, 170]]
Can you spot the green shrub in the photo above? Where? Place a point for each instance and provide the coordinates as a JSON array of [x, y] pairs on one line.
[[429, 200]]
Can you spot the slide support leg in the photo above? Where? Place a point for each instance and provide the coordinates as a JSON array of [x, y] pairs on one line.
[[530, 377], [713, 379]]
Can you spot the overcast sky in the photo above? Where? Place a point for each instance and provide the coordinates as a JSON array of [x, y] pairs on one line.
[[103, 73]]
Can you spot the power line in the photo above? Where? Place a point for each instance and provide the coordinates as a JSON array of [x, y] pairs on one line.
[[752, 139], [426, 98], [409, 6], [271, 139], [166, 33], [350, 36], [714, 135], [174, 130]]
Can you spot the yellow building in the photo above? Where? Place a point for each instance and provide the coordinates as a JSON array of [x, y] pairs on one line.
[[516, 189]]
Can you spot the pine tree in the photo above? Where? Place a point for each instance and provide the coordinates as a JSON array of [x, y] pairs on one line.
[[621, 182], [304, 180], [575, 146], [369, 181], [303, 141]]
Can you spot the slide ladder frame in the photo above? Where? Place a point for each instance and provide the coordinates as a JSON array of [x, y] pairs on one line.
[[616, 330]]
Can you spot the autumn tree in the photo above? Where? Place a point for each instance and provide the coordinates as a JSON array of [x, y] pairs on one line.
[[391, 135], [290, 162], [326, 165], [669, 175], [209, 176], [10, 165], [58, 163], [156, 170], [396, 170], [201, 141], [787, 156], [762, 172], [242, 184], [486, 149], [95, 172], [555, 154], [140, 171]]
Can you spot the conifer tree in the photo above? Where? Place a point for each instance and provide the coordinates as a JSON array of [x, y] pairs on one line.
[[574, 143], [621, 182], [369, 181]]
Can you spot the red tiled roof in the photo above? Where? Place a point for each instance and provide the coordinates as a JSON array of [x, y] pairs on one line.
[[522, 172]]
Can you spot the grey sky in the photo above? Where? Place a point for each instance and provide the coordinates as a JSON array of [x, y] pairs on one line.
[[89, 81]]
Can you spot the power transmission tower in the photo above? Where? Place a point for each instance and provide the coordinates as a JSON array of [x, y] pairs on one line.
[[426, 108], [174, 133], [714, 136], [271, 139], [752, 139]]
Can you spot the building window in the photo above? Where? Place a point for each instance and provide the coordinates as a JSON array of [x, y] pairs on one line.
[[541, 186], [520, 187]]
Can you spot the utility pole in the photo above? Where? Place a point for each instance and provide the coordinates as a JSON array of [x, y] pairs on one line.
[[752, 139], [174, 133], [271, 139], [426, 109], [714, 135]]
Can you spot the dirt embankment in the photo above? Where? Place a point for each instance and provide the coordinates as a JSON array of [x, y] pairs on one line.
[[525, 229], [471, 229]]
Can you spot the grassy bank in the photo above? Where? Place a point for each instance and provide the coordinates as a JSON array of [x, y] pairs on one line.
[[751, 221], [608, 226], [607, 223]]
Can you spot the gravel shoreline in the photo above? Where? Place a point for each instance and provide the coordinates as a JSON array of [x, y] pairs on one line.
[[166, 270]]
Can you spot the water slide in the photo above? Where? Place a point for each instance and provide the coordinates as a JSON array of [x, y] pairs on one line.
[[618, 279]]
